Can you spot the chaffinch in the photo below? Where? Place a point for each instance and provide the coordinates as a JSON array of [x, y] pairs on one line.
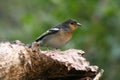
[[59, 35]]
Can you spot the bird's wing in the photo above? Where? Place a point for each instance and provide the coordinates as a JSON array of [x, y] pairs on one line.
[[49, 32]]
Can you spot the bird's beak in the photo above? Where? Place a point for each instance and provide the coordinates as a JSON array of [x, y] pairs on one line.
[[78, 24]]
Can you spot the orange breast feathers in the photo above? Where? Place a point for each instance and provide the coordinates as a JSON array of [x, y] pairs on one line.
[[65, 36]]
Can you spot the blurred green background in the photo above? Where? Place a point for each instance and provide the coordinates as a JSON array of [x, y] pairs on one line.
[[99, 35]]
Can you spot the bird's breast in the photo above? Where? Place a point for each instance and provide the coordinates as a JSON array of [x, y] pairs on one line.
[[65, 36], [59, 39]]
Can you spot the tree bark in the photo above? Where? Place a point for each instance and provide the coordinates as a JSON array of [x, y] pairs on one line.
[[20, 62]]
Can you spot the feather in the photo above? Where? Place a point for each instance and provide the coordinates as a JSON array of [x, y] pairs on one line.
[[49, 32]]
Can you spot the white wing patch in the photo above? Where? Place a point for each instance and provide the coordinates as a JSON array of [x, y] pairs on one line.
[[55, 29]]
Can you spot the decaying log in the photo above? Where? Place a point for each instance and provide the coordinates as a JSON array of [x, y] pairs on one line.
[[20, 62]]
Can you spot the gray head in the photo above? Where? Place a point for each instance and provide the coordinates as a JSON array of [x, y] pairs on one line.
[[70, 25]]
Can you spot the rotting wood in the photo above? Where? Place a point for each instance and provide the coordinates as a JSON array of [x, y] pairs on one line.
[[18, 61]]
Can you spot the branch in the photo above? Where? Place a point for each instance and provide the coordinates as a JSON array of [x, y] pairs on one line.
[[97, 77], [18, 61]]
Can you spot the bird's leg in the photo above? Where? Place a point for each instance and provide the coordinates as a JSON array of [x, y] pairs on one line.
[[56, 49], [47, 49]]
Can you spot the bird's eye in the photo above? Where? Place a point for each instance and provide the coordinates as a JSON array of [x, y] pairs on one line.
[[72, 23]]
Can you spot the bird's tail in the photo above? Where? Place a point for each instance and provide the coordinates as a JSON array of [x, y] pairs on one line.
[[38, 40]]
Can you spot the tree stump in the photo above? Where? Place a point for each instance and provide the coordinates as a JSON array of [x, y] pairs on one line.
[[20, 62]]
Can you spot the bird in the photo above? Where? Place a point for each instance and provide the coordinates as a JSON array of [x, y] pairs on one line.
[[59, 35]]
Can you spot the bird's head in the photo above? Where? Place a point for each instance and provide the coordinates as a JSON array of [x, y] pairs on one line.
[[72, 24]]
